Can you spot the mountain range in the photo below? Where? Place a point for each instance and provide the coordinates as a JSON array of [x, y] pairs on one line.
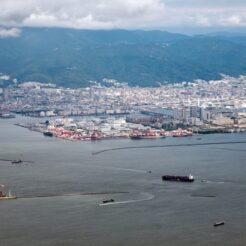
[[73, 58]]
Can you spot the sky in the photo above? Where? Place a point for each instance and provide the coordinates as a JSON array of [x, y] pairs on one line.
[[122, 14]]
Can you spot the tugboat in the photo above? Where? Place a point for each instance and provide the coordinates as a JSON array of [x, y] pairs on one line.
[[4, 196], [189, 178]]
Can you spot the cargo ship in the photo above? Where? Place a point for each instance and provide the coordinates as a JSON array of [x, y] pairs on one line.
[[189, 178], [4, 196]]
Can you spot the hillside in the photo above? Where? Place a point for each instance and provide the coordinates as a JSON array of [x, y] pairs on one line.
[[71, 58]]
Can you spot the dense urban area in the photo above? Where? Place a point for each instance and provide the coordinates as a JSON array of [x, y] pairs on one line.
[[113, 109]]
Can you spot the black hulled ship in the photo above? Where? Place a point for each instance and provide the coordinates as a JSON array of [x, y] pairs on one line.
[[189, 178]]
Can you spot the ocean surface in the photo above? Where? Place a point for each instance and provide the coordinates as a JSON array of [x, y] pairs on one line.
[[60, 193]]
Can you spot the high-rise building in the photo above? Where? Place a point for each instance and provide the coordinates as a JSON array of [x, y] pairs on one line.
[[205, 115], [195, 112], [5, 94]]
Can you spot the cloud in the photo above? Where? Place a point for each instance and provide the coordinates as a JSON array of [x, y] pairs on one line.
[[206, 13], [206, 17], [205, 3], [126, 14], [83, 14], [8, 33]]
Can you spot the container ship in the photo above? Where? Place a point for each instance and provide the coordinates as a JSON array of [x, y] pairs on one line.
[[189, 178]]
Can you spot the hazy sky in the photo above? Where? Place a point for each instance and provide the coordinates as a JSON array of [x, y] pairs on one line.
[[126, 14]]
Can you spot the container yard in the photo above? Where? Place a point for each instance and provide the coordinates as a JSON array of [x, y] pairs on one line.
[[100, 129]]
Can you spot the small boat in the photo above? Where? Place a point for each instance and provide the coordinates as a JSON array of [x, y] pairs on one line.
[[96, 135], [4, 196], [135, 137], [21, 161], [17, 161], [219, 223], [48, 134], [108, 201], [149, 134], [182, 133]]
